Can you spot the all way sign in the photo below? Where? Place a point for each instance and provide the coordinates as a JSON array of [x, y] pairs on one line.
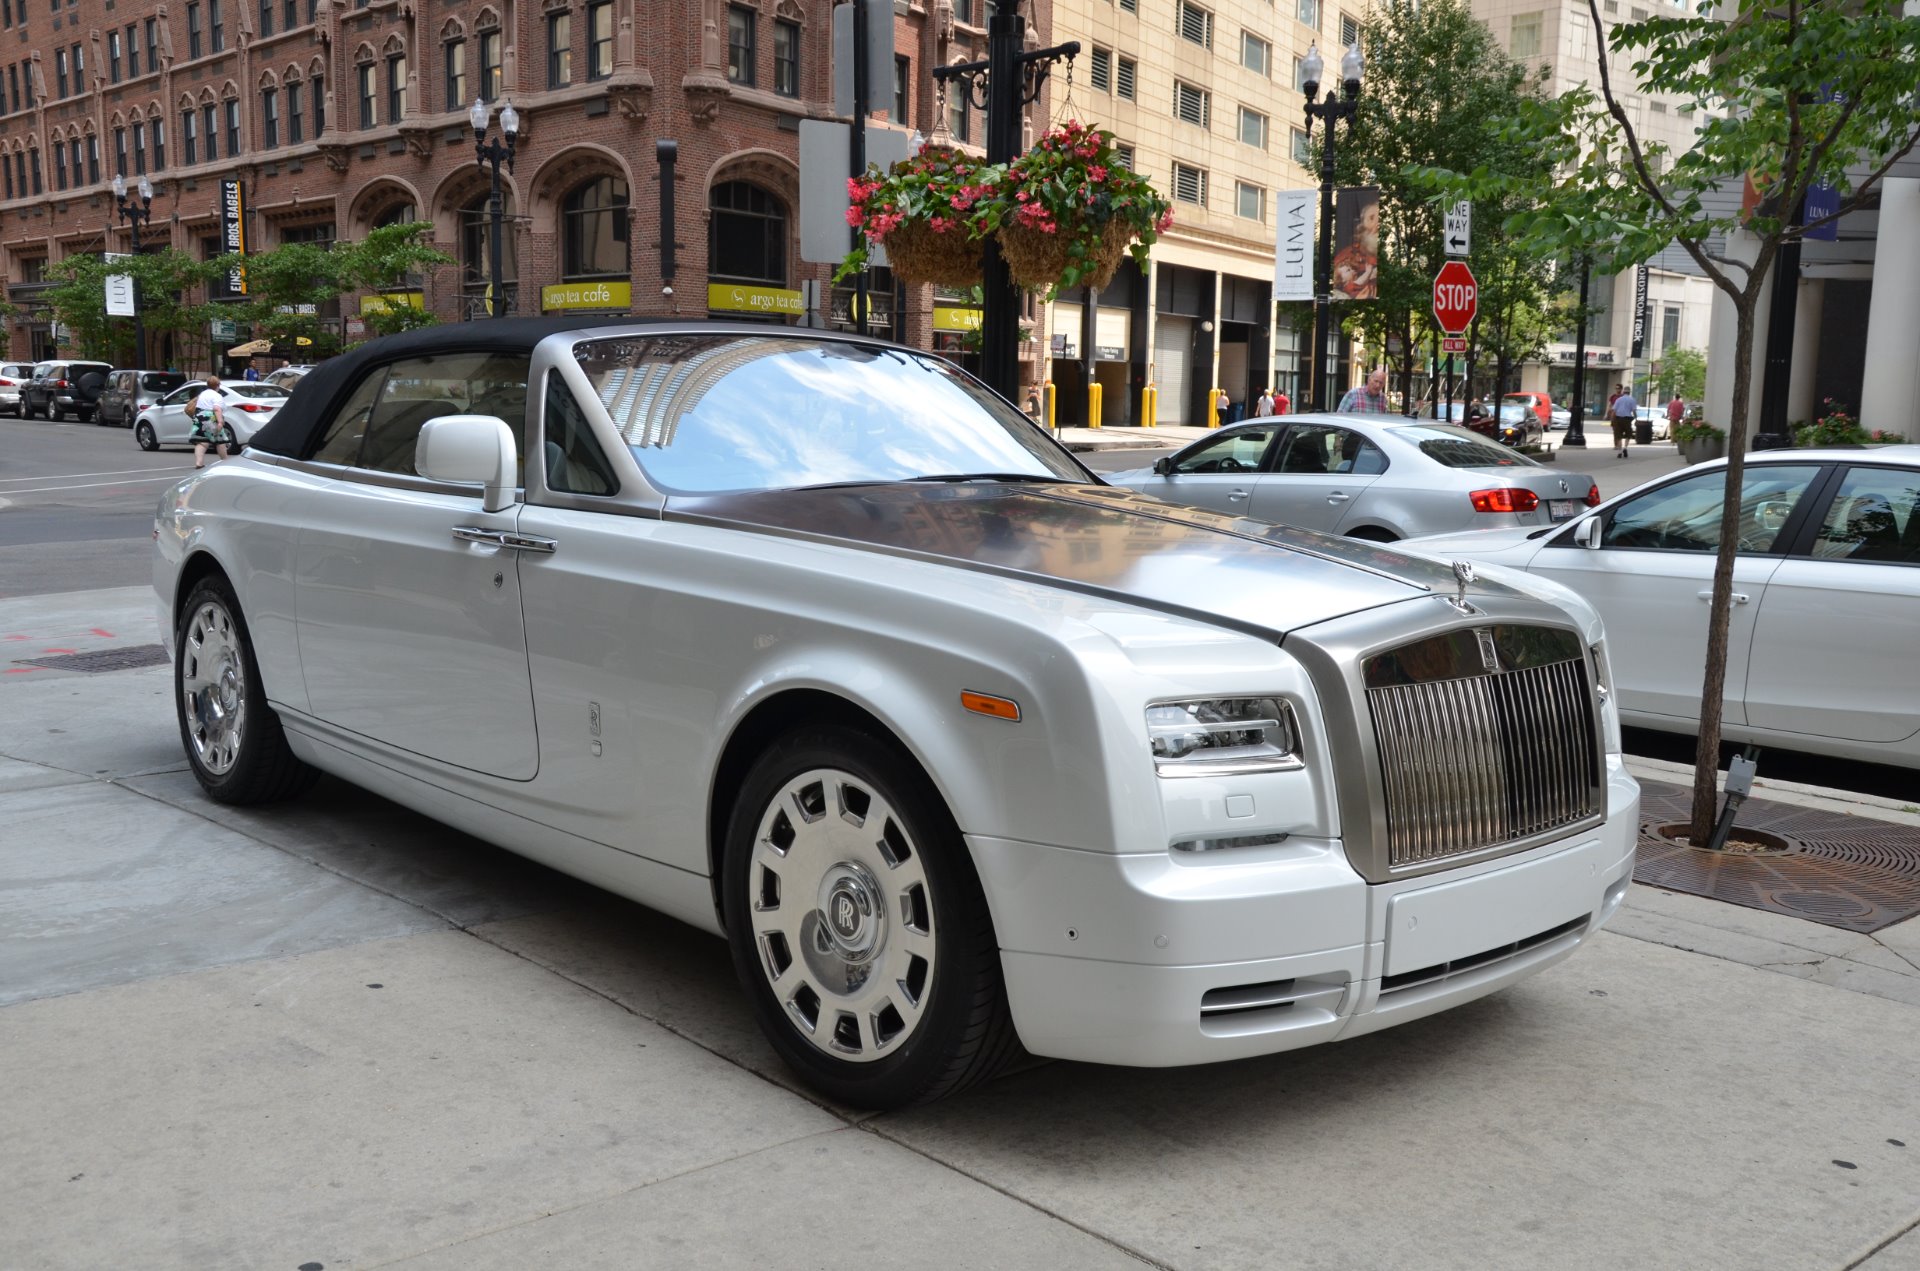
[[1456, 297]]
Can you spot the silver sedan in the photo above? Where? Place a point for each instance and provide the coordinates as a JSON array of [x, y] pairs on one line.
[[169, 421], [1379, 477]]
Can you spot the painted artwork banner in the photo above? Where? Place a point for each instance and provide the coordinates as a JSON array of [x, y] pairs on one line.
[[1293, 244], [1356, 253]]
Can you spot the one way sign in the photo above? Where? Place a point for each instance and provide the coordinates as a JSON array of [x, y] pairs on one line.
[[1458, 231]]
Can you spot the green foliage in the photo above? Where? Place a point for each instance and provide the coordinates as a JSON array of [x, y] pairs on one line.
[[287, 285], [1683, 372], [1835, 427], [163, 283], [1696, 429]]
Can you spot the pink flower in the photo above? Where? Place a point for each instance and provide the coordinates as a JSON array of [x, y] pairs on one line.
[[1165, 219], [1097, 172], [853, 217], [1021, 196]]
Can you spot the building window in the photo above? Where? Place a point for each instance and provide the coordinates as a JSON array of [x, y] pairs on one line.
[[157, 130], [1349, 31], [456, 57], [93, 159], [1309, 13], [266, 18], [73, 148], [319, 104], [153, 45], [216, 29], [593, 224], [320, 235], [33, 167], [193, 31], [296, 124], [1639, 14], [1100, 69], [139, 150], [1302, 148], [786, 59], [1255, 53], [59, 166], [79, 68], [13, 84], [1126, 75], [559, 50], [1123, 155], [902, 80], [1300, 74], [1189, 184], [60, 70], [269, 117], [367, 95], [233, 127], [957, 112], [1195, 24], [1130, 6], [189, 137], [1669, 328], [120, 151], [290, 14], [1194, 105], [1253, 128], [210, 125], [747, 235], [396, 88], [490, 71], [113, 57], [600, 39], [7, 169], [1249, 201], [740, 21], [133, 52], [1526, 35]]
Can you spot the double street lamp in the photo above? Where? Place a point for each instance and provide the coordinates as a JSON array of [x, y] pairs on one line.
[[1344, 104], [495, 152], [135, 212]]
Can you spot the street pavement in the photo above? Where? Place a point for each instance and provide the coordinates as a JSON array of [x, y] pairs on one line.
[[334, 1034]]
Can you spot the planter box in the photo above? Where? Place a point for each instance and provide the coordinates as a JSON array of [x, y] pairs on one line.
[[1703, 449]]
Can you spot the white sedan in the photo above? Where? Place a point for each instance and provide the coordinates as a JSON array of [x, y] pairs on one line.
[[169, 421], [815, 643], [1826, 596]]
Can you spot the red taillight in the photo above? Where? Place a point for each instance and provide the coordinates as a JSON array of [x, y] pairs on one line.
[[1504, 499], [251, 409], [1593, 496], [61, 384]]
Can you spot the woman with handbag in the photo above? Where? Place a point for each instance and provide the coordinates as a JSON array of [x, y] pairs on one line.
[[210, 422]]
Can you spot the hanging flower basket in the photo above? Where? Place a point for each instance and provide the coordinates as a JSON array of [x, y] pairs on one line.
[[928, 212], [1070, 209]]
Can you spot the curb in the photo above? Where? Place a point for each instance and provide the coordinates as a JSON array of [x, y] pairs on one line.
[[1845, 802]]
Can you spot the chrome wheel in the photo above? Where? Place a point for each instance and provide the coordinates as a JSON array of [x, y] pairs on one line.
[[213, 687], [842, 915]]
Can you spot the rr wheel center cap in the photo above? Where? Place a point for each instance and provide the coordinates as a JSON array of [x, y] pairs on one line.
[[853, 921]]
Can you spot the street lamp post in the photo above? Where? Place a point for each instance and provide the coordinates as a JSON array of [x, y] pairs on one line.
[[135, 212], [1343, 104], [1576, 438], [494, 153]]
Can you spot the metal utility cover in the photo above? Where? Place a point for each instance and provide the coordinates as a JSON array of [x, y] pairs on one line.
[[879, 56]]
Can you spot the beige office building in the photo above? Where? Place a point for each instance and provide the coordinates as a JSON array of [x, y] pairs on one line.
[[1206, 97]]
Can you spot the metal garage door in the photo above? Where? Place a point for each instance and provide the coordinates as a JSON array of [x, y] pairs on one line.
[[1172, 350]]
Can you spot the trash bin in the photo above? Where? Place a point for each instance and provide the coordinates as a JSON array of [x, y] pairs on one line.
[[1643, 432]]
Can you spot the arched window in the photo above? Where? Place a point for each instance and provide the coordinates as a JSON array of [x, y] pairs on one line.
[[476, 239], [593, 222], [395, 214], [747, 238]]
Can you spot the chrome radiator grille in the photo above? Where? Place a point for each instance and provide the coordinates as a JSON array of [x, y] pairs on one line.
[[1485, 737]]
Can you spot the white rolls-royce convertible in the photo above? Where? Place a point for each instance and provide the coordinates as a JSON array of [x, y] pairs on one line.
[[814, 642]]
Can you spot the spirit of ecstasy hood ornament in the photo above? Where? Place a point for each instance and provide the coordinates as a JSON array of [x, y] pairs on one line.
[[1462, 574]]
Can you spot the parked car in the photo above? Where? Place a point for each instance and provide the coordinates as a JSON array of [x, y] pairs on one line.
[[169, 421], [1519, 426], [62, 388], [818, 644], [1559, 419], [1378, 477], [286, 376], [129, 392], [1826, 587], [1538, 403], [13, 376]]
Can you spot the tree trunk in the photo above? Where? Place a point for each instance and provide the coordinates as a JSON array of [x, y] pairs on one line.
[[1706, 753]]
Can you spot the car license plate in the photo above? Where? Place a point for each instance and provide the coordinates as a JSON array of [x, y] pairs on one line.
[[1561, 509]]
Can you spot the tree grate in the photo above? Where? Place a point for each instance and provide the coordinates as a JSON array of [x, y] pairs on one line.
[[1840, 871], [97, 660]]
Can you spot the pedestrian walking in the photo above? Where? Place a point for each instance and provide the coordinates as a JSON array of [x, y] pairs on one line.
[[210, 423], [1624, 409], [1676, 411], [253, 373], [1369, 398], [1281, 404], [1222, 406], [1264, 407]]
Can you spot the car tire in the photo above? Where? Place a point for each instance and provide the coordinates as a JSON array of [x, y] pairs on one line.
[[55, 413], [143, 433], [233, 739], [892, 994]]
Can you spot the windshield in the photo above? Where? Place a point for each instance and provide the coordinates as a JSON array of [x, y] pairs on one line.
[[257, 390], [1458, 448], [705, 414]]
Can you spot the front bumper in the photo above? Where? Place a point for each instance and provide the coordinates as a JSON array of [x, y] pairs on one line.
[[1151, 961]]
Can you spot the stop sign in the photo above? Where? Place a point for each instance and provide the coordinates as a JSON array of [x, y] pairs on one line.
[[1456, 297]]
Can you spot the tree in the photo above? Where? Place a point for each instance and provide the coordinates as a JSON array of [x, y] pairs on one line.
[[1791, 94], [1683, 373], [287, 286], [164, 283], [1410, 120]]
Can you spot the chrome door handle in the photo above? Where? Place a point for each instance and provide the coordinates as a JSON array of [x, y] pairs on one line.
[[1739, 597], [1234, 496], [1337, 497], [505, 538]]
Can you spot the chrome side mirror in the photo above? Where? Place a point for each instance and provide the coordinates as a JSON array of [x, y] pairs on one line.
[[1588, 532], [473, 450]]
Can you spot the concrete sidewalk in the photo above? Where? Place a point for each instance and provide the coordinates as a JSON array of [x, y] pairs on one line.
[[334, 1034]]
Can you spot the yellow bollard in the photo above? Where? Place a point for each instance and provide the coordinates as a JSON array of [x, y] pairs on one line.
[[1213, 408], [1046, 390], [1094, 392], [1149, 406]]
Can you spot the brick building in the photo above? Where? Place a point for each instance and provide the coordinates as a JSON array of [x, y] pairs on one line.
[[337, 117]]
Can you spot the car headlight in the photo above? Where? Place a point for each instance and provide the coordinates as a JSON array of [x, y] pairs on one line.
[[1222, 736]]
